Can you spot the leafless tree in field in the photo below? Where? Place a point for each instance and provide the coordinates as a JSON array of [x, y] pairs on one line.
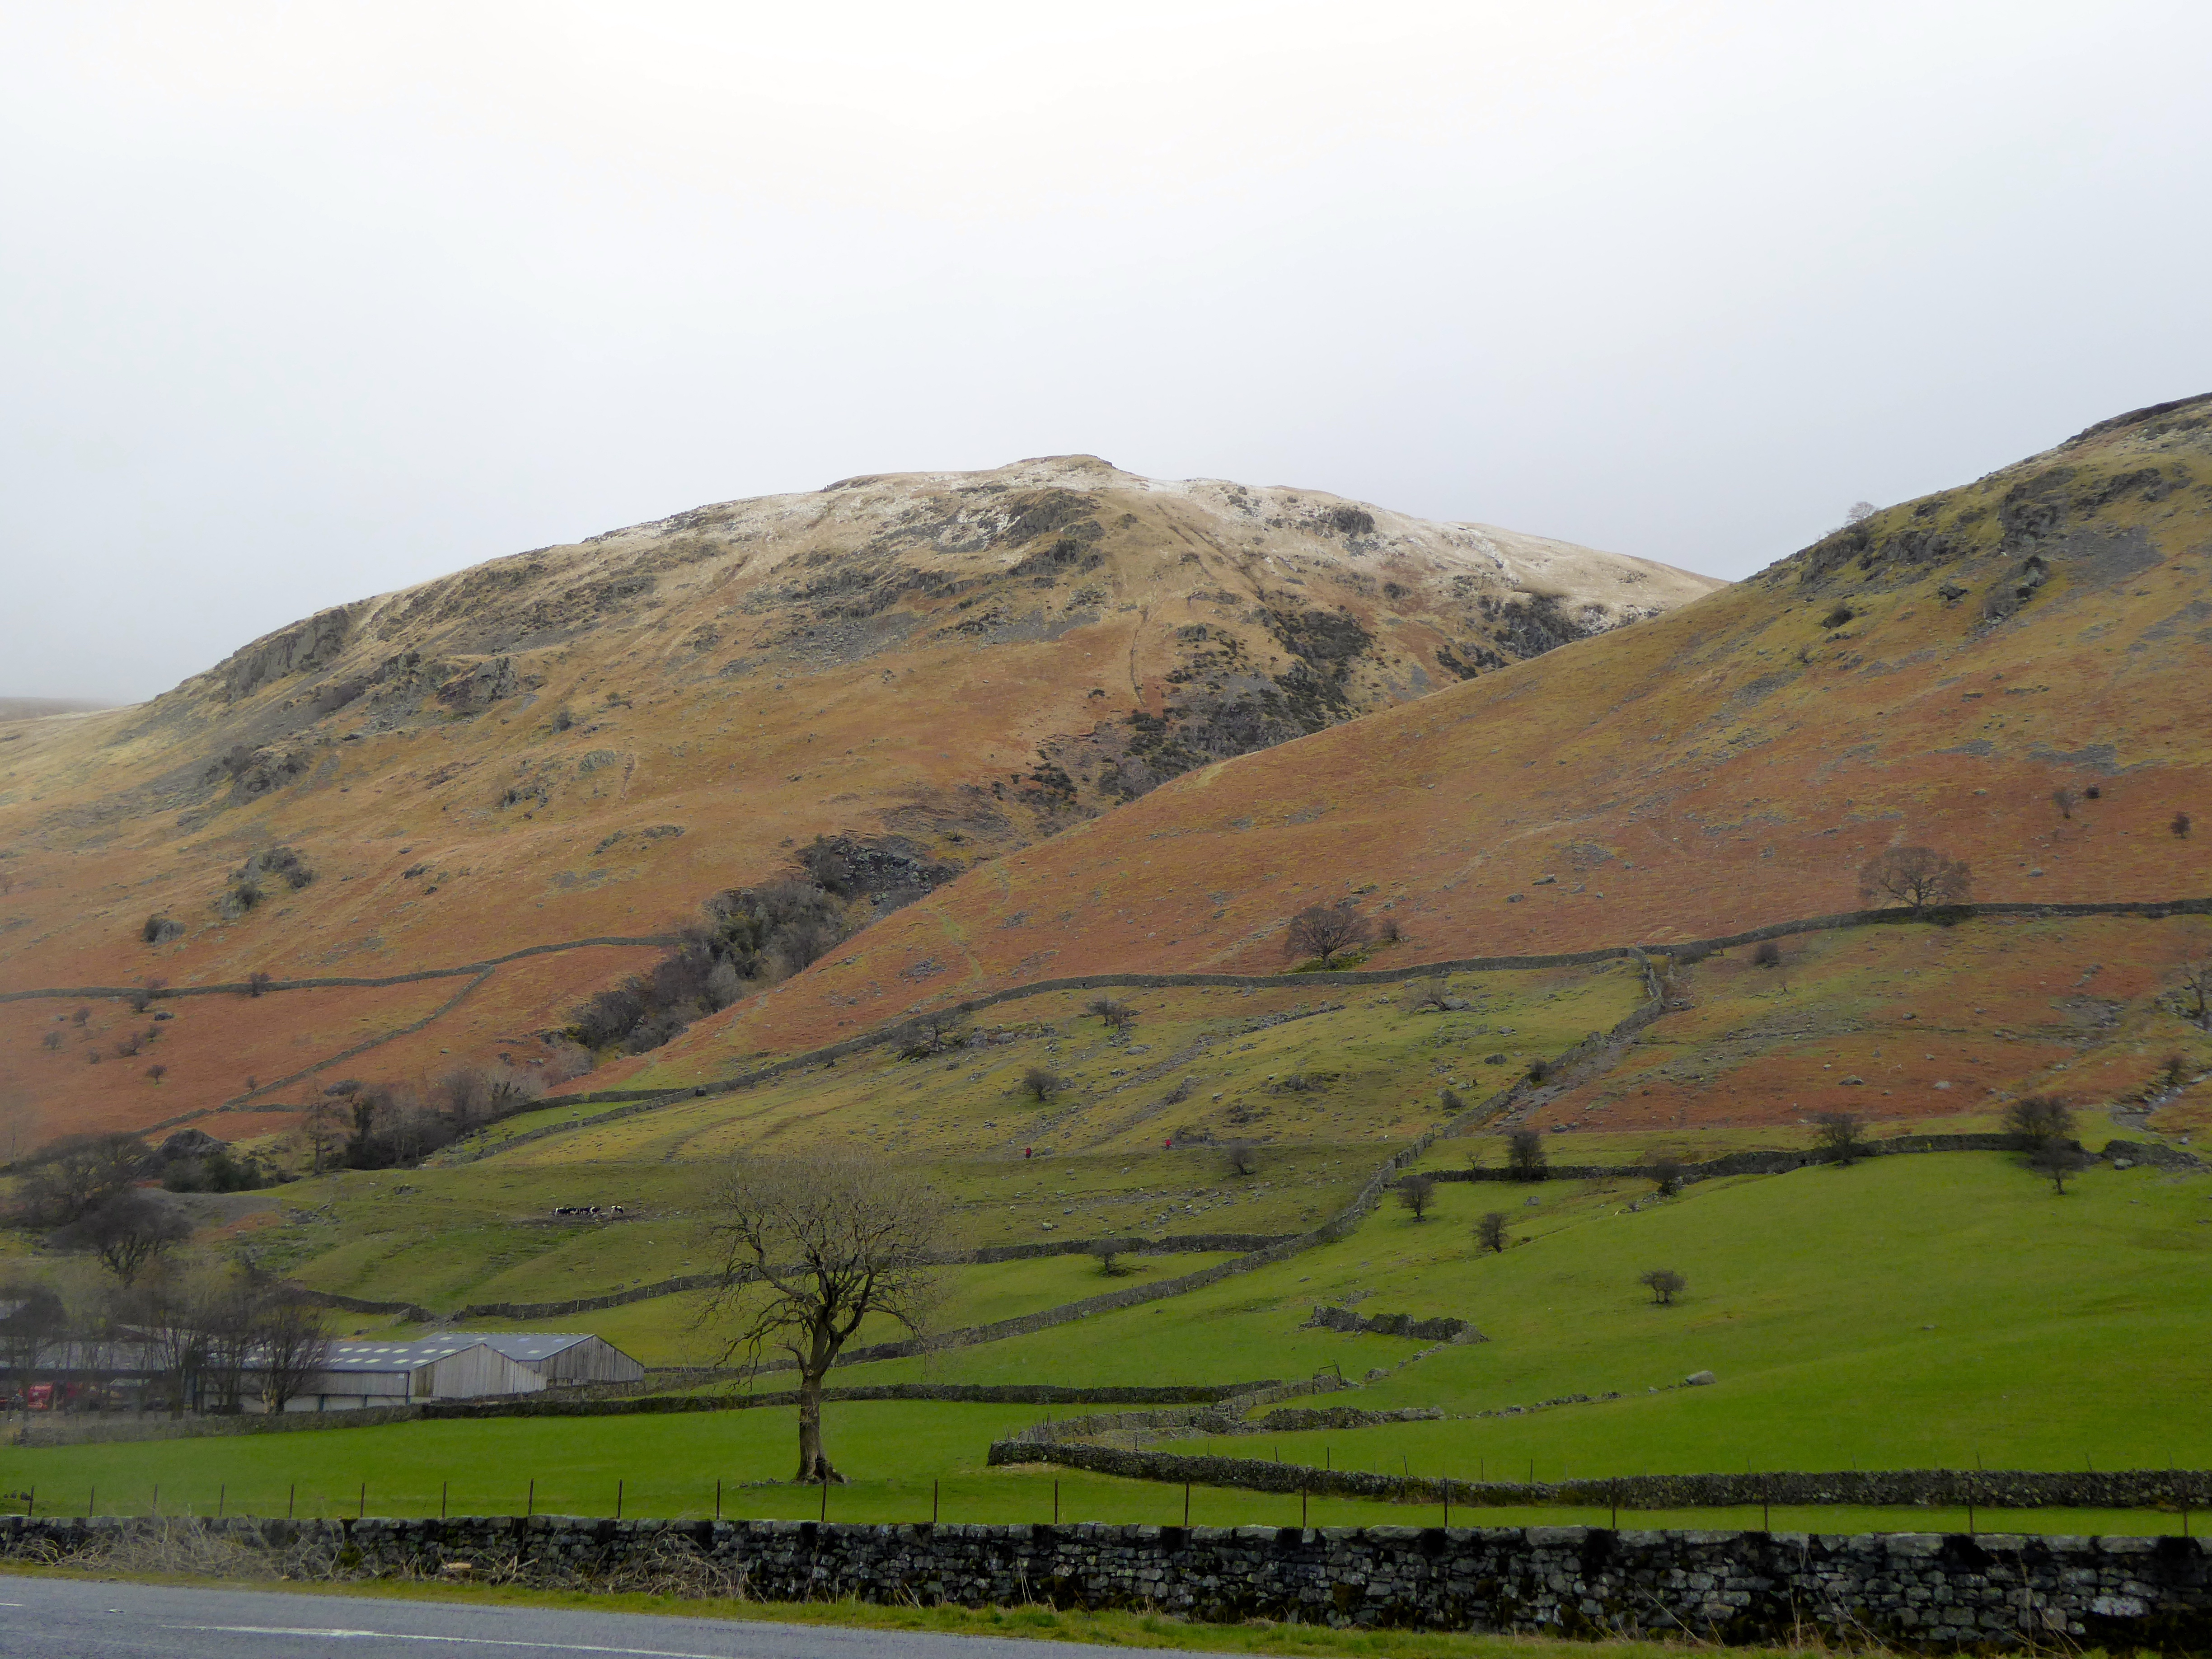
[[1416, 1194], [1524, 1156], [2065, 800], [2036, 1119], [1842, 1133], [811, 1245], [1490, 1231], [1664, 1284], [2195, 984], [1919, 876], [1327, 930], [2058, 1164], [290, 1345], [128, 1232]]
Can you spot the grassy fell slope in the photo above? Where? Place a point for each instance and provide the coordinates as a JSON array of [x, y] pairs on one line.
[[1932, 675], [586, 741]]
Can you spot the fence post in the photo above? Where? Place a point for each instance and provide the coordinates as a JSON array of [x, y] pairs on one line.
[[291, 1496], [92, 1503], [443, 1486], [1055, 1502], [618, 1499], [221, 1497], [157, 1499], [718, 1498], [1185, 1504], [363, 1510], [530, 1503]]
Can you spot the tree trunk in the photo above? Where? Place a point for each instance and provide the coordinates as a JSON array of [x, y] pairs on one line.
[[813, 1465]]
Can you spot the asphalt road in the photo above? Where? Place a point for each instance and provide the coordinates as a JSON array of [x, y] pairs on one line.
[[64, 1619]]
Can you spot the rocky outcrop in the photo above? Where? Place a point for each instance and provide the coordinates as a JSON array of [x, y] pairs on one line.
[[1439, 1329]]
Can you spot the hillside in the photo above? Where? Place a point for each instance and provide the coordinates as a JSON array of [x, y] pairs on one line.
[[1938, 674], [584, 743]]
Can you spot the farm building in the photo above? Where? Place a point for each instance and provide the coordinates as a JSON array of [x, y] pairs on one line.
[[564, 1357], [460, 1366], [357, 1374]]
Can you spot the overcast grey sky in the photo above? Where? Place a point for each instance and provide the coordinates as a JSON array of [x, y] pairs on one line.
[[300, 302]]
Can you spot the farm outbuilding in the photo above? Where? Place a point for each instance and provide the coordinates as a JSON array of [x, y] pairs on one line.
[[565, 1357], [358, 1374]]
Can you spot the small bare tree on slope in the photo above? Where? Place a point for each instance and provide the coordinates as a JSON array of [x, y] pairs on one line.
[[1326, 931], [811, 1245], [1919, 876]]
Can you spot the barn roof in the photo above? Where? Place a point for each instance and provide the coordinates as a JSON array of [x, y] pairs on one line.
[[530, 1345], [395, 1356]]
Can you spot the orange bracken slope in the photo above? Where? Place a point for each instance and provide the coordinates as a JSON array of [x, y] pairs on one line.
[[1932, 675]]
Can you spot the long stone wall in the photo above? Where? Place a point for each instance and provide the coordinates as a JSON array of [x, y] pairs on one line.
[[2010, 1489], [1928, 1591]]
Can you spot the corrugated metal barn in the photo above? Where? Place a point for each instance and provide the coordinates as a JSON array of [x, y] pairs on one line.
[[359, 1374], [562, 1358]]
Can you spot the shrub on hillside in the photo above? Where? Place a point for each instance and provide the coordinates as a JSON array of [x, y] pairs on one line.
[[1524, 1156], [1041, 1085], [1490, 1231], [1115, 1016], [141, 995], [1241, 1158], [2178, 824], [1766, 954], [1664, 1284]]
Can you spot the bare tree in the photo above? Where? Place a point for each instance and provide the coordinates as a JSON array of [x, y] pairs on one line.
[[1326, 931], [1917, 876], [2034, 1119], [1423, 994], [1041, 1084], [2065, 800], [258, 982], [1416, 1194], [79, 1173], [142, 994], [53, 1039], [1860, 512], [1842, 1134], [290, 1346], [1667, 1175], [322, 1131], [1241, 1158], [811, 1246], [1490, 1231], [1766, 954], [1115, 1016], [1665, 1285], [1524, 1156], [157, 1071], [34, 1327], [2195, 986], [1109, 1252], [128, 1232], [2057, 1163], [2179, 824]]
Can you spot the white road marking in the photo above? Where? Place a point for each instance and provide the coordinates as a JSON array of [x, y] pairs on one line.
[[466, 1641]]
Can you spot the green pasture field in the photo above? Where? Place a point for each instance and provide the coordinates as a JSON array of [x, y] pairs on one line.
[[668, 1330], [1903, 1312], [1387, 1067], [907, 1459], [444, 1236]]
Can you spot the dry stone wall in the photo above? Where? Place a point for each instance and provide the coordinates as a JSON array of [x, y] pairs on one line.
[[1927, 1591]]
